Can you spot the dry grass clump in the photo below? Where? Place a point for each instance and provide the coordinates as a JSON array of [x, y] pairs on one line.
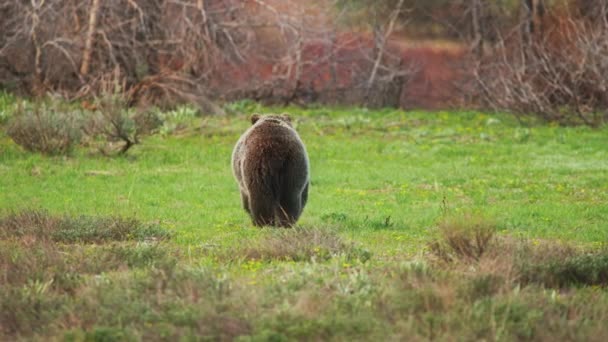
[[28, 224], [300, 244], [40, 225], [463, 238], [470, 245]]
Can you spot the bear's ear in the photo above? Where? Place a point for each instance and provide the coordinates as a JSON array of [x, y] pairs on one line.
[[286, 117], [254, 118]]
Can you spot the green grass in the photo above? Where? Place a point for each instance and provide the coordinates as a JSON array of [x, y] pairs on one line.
[[383, 177], [358, 268]]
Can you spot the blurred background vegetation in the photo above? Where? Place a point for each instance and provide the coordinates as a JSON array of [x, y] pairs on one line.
[[547, 58]]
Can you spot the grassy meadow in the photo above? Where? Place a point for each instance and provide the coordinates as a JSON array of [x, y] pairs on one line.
[[419, 226]]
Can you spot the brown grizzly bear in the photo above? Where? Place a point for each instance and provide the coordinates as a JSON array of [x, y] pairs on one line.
[[270, 164]]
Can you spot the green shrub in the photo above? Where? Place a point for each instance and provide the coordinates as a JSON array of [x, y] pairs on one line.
[[579, 270], [176, 120], [8, 103], [45, 129]]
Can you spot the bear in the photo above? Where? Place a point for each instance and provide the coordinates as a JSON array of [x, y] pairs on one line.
[[271, 167]]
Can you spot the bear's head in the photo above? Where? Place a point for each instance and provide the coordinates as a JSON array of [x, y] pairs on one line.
[[280, 118]]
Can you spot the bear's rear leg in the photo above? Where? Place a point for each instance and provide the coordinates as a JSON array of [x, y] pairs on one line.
[[290, 210], [262, 211], [245, 201]]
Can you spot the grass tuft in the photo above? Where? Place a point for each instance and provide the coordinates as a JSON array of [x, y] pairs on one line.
[[465, 238], [300, 244]]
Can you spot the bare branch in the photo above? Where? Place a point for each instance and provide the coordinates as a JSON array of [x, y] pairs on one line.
[[86, 56]]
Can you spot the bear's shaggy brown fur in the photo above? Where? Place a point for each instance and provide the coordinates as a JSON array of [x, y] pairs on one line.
[[270, 164]]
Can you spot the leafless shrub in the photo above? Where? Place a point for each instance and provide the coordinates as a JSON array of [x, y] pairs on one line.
[[559, 74], [113, 119], [170, 52], [45, 128], [74, 44]]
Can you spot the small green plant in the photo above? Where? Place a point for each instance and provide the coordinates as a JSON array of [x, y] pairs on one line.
[[8, 104], [177, 119], [242, 107]]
